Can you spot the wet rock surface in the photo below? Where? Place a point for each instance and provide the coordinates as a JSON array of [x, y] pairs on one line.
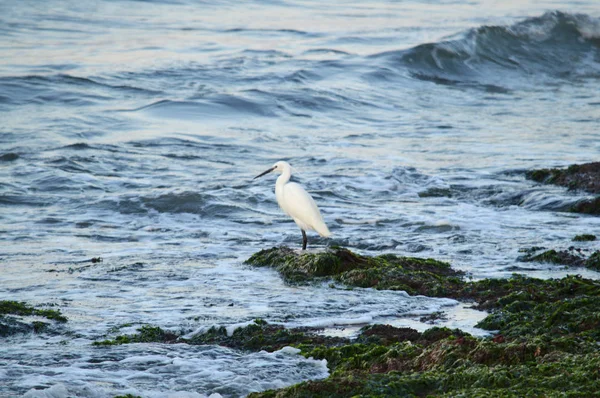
[[584, 177], [544, 342], [571, 257], [411, 274], [19, 317]]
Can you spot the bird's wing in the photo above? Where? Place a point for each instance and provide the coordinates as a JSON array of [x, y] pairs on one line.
[[301, 206]]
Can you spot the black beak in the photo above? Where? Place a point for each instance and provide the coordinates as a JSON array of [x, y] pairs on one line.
[[264, 172]]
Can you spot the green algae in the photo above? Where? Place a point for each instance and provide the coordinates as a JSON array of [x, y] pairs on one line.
[[563, 257], [390, 272], [146, 334], [454, 364], [593, 261], [300, 267], [585, 176], [450, 363], [11, 321], [544, 343], [23, 309], [584, 238], [587, 206], [421, 276], [555, 257], [256, 336], [261, 335]]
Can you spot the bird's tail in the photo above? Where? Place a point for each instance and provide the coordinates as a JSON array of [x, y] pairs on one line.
[[322, 230]]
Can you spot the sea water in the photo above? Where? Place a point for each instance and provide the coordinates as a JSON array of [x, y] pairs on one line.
[[131, 130]]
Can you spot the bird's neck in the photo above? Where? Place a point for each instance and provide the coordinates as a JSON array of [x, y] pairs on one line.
[[284, 177]]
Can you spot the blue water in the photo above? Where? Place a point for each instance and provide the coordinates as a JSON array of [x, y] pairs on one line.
[[131, 130]]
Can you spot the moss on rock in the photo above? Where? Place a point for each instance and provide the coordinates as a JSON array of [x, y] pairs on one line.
[[449, 363], [12, 321], [584, 238], [21, 308], [571, 257], [413, 275], [146, 334], [585, 177], [579, 176], [587, 206], [261, 335], [545, 342]]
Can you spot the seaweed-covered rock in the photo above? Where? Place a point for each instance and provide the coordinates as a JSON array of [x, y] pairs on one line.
[[584, 238], [21, 308], [386, 334], [579, 176], [552, 256], [585, 177], [545, 342], [547, 346], [442, 362], [13, 321], [146, 334], [256, 336], [413, 275], [571, 257], [297, 266], [593, 261], [261, 335], [556, 308], [587, 206], [560, 376]]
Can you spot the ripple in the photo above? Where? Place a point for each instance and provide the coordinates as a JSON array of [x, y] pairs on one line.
[[222, 106]]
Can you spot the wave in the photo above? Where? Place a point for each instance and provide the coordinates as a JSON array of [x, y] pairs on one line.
[[223, 106], [63, 89], [556, 44], [185, 202]]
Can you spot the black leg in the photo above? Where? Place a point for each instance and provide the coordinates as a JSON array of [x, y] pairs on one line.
[[304, 239]]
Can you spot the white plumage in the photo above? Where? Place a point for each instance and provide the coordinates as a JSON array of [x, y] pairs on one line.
[[297, 203]]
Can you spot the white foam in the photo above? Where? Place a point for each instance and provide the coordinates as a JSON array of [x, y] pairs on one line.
[[201, 330], [289, 350], [146, 358], [202, 369], [56, 391], [232, 328]]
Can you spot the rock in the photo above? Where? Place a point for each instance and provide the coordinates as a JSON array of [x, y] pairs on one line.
[[571, 257], [411, 274], [584, 238], [13, 321], [585, 177]]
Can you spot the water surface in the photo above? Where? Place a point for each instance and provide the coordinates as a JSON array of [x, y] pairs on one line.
[[131, 131]]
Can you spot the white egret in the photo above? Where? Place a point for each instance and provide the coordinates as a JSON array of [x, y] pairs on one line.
[[296, 202]]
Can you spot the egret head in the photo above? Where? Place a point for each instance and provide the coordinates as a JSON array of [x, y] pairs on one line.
[[278, 167]]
